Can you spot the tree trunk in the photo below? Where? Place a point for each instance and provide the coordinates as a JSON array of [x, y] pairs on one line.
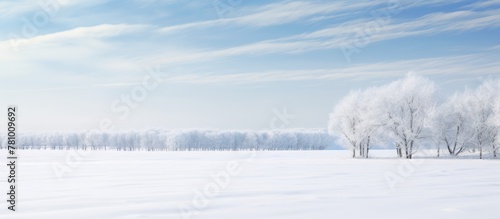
[[410, 153], [407, 148], [367, 147], [398, 150]]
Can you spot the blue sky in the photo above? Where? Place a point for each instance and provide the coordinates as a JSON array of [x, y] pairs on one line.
[[230, 64]]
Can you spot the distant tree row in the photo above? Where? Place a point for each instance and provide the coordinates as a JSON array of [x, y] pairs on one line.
[[177, 140], [409, 115]]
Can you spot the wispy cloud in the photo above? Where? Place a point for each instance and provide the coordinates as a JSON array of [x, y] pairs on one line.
[[292, 11], [43, 46], [327, 38], [484, 4], [9, 9], [274, 14], [338, 36], [456, 66], [426, 25], [98, 31], [108, 85], [93, 44]]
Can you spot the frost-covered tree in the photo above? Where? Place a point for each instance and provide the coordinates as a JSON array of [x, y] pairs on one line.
[[345, 122], [94, 139], [148, 140], [406, 106], [495, 121], [453, 123], [482, 111], [372, 120], [354, 123]]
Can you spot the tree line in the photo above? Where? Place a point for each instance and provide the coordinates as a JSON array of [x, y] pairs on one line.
[[177, 140]]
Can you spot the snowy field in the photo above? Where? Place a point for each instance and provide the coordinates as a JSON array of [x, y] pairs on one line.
[[270, 184]]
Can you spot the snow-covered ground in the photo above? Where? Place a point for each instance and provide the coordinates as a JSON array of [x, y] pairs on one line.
[[270, 184]]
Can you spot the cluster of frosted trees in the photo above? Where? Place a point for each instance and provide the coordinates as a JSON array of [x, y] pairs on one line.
[[178, 140], [409, 115]]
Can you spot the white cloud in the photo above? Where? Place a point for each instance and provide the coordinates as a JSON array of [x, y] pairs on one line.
[[292, 11], [456, 66], [10, 9], [77, 55], [484, 4], [428, 24], [274, 14], [99, 31], [92, 44], [53, 45], [327, 38], [339, 36], [68, 88]]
